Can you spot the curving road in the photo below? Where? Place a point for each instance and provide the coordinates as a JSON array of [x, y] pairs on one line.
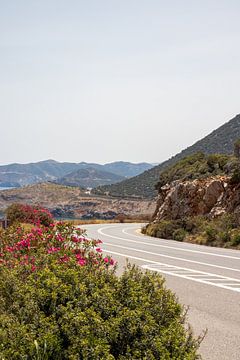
[[204, 278]]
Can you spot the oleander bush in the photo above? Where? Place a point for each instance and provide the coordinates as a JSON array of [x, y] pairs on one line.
[[223, 231], [23, 213], [61, 299]]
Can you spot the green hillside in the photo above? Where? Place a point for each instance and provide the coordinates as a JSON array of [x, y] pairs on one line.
[[89, 177], [220, 141], [198, 166]]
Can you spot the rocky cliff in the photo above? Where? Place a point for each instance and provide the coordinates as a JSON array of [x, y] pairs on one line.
[[211, 196]]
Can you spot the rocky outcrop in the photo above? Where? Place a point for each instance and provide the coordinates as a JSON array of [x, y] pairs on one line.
[[210, 196]]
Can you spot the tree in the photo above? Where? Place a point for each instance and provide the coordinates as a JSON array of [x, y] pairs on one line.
[[237, 149]]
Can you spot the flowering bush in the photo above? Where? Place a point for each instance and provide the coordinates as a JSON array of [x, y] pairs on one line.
[[63, 244], [28, 214], [60, 292]]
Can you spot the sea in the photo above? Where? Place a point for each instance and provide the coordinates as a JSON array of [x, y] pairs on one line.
[[6, 188]]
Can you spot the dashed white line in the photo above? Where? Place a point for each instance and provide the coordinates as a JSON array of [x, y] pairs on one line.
[[186, 277], [163, 255]]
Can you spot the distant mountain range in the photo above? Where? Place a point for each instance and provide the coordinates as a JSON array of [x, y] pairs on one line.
[[89, 178], [220, 140], [77, 174]]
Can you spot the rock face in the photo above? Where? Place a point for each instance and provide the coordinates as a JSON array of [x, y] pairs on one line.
[[211, 196]]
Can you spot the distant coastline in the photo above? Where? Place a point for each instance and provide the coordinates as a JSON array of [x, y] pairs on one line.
[[7, 188]]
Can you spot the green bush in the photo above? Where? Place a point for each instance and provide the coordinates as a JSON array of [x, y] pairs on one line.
[[197, 166], [179, 234], [221, 231], [235, 178], [61, 299], [81, 314], [235, 237], [211, 233], [164, 229]]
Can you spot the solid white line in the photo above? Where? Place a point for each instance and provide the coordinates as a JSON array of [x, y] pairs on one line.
[[163, 255], [171, 267], [176, 248], [165, 272]]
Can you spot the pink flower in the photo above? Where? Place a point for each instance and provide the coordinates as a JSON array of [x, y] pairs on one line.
[[78, 256], [75, 239], [10, 249], [81, 262], [59, 237], [109, 260], [53, 250], [99, 250], [112, 262], [64, 259]]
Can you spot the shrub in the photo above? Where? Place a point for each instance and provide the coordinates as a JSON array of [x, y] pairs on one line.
[[199, 229], [63, 244], [28, 214], [237, 148], [179, 234], [197, 166], [211, 233], [82, 314], [235, 237], [235, 178], [61, 299]]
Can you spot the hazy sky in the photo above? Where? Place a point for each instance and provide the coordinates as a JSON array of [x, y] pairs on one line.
[[98, 80]]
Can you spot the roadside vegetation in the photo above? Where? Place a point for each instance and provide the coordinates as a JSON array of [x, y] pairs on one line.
[[61, 299], [121, 218], [223, 231]]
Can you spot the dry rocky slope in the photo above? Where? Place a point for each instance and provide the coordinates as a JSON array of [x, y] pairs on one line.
[[211, 196], [220, 141], [72, 202]]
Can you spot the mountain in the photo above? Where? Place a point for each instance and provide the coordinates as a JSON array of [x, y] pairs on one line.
[[18, 175], [220, 140], [89, 177], [127, 169], [26, 174]]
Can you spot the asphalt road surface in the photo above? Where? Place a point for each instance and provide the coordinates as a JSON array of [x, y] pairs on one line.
[[204, 278]]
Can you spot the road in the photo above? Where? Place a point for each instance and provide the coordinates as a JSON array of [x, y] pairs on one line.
[[204, 278]]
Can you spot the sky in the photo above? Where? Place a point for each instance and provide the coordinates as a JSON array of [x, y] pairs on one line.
[[101, 81]]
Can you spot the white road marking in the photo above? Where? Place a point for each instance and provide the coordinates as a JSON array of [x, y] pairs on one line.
[[187, 277], [162, 255], [175, 248], [207, 278]]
